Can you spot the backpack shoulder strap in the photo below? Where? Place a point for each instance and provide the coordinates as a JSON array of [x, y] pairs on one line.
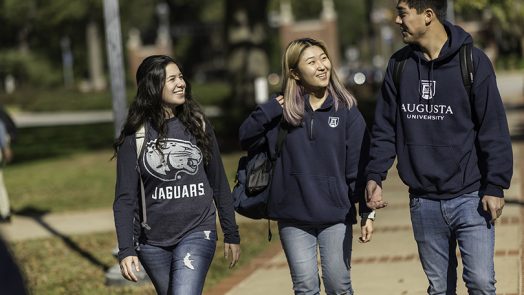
[[398, 67], [140, 137], [282, 133], [466, 66]]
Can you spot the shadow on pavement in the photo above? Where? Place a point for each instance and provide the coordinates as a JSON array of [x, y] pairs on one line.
[[38, 214], [512, 107], [518, 134], [514, 202]]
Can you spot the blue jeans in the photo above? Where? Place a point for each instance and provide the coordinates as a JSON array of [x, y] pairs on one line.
[[438, 225], [180, 269], [300, 245]]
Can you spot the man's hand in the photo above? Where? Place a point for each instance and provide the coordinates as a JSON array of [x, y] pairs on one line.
[[126, 268], [366, 231], [493, 205], [235, 253], [374, 196]]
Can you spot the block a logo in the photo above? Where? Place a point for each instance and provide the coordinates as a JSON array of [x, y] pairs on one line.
[[333, 122], [428, 88]]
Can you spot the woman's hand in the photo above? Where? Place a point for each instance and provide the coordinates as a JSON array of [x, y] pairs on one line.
[[366, 231], [235, 253], [126, 268]]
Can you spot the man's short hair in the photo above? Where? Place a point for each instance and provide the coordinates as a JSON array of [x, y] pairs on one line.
[[440, 7]]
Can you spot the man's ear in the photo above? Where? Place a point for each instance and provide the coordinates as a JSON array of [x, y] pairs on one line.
[[429, 15]]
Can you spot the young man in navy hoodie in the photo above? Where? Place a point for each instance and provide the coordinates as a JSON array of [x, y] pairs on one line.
[[453, 148]]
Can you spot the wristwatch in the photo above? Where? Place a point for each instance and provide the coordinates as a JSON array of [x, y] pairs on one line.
[[372, 215], [368, 215]]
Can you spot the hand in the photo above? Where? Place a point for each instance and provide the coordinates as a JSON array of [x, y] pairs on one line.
[[366, 231], [280, 100], [126, 268], [493, 205], [374, 196], [235, 253], [7, 153]]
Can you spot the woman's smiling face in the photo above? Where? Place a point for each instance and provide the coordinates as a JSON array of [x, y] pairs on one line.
[[313, 69], [174, 92]]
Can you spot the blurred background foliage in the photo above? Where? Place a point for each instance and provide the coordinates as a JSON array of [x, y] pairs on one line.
[[32, 30], [38, 38]]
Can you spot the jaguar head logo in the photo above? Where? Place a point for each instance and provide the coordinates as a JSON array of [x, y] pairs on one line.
[[174, 158]]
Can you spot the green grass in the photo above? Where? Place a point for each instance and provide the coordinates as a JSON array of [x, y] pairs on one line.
[[54, 266], [83, 181], [78, 181]]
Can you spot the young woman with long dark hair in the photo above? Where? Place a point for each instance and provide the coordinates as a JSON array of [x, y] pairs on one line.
[[166, 198]]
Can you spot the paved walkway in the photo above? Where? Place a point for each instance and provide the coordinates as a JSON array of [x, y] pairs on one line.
[[387, 265]]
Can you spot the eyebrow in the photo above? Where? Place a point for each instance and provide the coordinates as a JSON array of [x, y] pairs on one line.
[[320, 55], [400, 8]]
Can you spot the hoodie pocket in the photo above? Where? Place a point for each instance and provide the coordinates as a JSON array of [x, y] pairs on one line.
[[431, 168], [316, 189]]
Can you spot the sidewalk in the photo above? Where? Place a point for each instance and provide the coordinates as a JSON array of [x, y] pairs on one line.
[[389, 264]]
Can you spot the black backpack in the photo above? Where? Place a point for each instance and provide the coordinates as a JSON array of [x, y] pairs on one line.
[[466, 66]]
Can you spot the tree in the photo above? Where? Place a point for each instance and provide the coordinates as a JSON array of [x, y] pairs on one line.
[[503, 20], [246, 34]]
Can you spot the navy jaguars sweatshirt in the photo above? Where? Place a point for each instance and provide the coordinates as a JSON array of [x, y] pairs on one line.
[[446, 143], [182, 193]]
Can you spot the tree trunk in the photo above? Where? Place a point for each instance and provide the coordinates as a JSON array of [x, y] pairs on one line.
[[95, 58], [247, 59]]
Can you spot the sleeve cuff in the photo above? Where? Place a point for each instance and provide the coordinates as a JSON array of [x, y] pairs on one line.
[[232, 238], [494, 190], [375, 177], [125, 252], [271, 109]]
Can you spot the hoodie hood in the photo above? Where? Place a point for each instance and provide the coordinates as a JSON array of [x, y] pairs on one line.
[[456, 38]]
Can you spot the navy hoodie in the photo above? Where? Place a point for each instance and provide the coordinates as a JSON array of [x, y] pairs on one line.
[[446, 144], [320, 174]]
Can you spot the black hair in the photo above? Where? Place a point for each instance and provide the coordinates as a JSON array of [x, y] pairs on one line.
[[148, 106], [440, 7]]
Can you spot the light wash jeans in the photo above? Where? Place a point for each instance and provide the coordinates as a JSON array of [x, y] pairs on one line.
[[180, 269], [438, 225], [300, 243]]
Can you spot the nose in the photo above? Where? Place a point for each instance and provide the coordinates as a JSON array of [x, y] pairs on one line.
[[398, 20]]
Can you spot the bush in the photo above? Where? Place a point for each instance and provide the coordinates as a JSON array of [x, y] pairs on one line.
[[28, 69]]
